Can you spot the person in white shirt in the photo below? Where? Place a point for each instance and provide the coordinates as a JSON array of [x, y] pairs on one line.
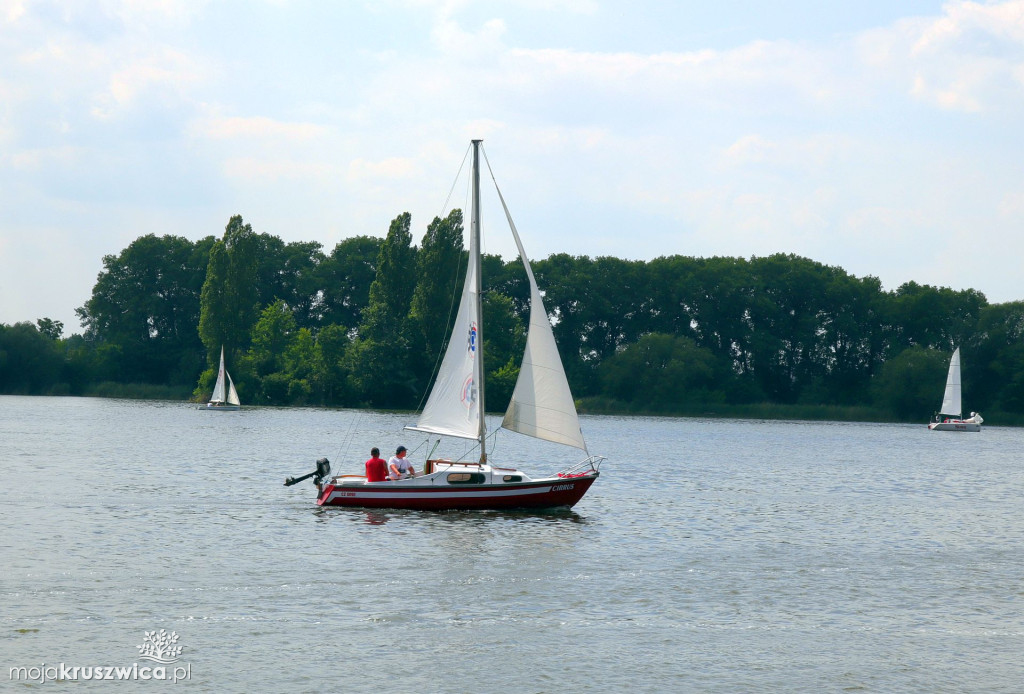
[[399, 466]]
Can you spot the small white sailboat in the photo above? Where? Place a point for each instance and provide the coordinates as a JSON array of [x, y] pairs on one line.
[[541, 407], [948, 417], [225, 397]]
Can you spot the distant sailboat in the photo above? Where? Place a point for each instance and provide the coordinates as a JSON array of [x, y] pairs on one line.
[[949, 416], [218, 401]]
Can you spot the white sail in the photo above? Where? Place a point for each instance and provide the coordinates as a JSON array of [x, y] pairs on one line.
[[232, 393], [542, 404], [951, 398], [454, 406], [225, 386], [218, 390]]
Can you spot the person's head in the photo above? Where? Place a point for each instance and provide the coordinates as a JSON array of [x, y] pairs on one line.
[[374, 452], [400, 451]]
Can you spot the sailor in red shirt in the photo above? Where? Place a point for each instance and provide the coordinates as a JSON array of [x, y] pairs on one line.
[[376, 467]]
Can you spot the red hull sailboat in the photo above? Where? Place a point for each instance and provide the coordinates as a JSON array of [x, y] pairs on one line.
[[541, 406]]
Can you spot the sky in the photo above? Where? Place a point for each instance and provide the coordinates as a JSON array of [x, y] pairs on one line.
[[885, 138]]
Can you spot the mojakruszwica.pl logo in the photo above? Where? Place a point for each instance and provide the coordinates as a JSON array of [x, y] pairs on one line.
[[159, 647]]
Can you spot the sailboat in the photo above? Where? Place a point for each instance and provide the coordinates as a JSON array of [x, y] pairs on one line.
[[541, 407], [218, 401], [948, 417]]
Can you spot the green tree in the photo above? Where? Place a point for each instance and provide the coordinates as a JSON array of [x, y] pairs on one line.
[[664, 373], [909, 386], [30, 361], [263, 372], [300, 359], [435, 298], [147, 302], [393, 284], [230, 295], [345, 277], [290, 272], [51, 328], [998, 363], [933, 317], [331, 374], [379, 358], [271, 337], [215, 317], [504, 342]]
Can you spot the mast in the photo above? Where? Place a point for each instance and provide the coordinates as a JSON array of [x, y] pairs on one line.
[[474, 245]]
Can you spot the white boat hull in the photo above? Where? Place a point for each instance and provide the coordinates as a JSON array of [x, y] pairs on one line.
[[955, 425]]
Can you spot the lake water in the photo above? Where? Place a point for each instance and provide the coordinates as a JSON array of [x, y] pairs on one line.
[[711, 556]]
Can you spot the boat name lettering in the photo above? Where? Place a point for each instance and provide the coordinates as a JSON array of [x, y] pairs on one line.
[[562, 487]]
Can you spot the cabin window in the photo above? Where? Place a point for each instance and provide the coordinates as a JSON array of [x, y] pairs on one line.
[[465, 478], [512, 478]]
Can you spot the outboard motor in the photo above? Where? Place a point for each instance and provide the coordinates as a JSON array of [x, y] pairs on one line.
[[323, 469]]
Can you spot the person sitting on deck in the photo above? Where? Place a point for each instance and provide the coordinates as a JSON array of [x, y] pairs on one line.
[[399, 466], [376, 468]]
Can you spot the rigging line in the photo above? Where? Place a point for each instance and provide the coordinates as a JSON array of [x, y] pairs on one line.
[[495, 182], [476, 445], [423, 443], [346, 440], [459, 280], [456, 181]]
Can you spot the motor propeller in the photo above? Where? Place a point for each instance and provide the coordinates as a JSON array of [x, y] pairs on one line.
[[323, 469]]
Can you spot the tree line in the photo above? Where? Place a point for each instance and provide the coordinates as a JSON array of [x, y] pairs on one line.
[[365, 325]]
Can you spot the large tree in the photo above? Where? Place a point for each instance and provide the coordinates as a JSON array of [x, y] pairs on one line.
[[147, 301], [30, 361], [435, 298], [665, 373], [995, 365], [910, 384], [230, 294], [379, 358], [344, 280]]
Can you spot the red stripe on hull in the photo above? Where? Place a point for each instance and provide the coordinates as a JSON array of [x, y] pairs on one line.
[[552, 494]]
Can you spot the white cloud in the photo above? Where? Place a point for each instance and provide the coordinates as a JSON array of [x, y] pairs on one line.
[[1011, 206], [968, 59], [256, 127], [158, 76], [12, 10], [827, 146], [394, 168], [270, 170], [749, 148]]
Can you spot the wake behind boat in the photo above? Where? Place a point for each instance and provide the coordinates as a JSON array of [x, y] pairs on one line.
[[541, 407], [948, 417]]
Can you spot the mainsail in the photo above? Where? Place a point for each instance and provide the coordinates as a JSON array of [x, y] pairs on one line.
[[542, 404], [951, 398], [455, 407]]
